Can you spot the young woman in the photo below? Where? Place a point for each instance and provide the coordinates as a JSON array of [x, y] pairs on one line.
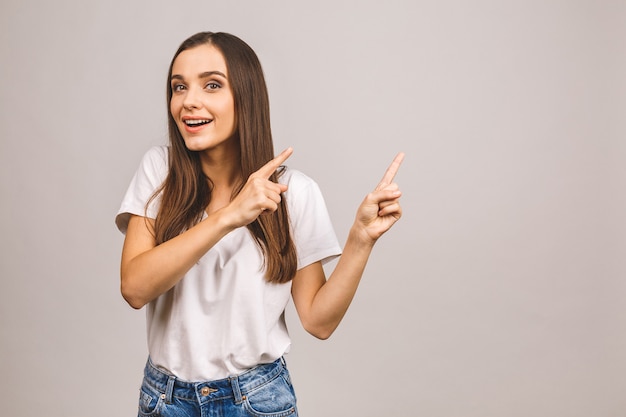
[[219, 235]]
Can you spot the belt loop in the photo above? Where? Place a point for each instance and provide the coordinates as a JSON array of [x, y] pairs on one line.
[[234, 382], [282, 360], [169, 391]]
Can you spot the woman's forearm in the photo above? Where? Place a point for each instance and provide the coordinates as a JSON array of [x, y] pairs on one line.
[[146, 274], [331, 302]]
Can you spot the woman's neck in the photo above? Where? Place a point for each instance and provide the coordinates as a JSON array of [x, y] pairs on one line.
[[222, 165]]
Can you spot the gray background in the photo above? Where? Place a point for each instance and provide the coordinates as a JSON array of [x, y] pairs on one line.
[[500, 293]]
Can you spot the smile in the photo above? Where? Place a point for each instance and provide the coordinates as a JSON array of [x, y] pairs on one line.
[[198, 122]]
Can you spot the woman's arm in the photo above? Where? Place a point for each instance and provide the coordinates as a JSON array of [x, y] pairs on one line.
[[148, 270], [321, 304]]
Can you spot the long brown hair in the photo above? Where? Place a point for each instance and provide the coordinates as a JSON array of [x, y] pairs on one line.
[[186, 191]]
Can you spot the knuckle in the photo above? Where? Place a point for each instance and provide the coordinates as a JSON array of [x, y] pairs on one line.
[[256, 181]]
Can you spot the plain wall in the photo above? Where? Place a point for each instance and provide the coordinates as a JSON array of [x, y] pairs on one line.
[[502, 290]]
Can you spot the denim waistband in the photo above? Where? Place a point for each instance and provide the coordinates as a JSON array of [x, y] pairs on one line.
[[232, 387]]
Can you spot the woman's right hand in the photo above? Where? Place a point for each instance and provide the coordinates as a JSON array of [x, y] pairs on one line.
[[259, 195], [148, 270]]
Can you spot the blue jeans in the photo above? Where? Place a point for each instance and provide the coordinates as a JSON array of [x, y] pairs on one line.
[[263, 391]]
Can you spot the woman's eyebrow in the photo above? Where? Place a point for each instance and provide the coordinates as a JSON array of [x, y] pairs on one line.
[[206, 74]]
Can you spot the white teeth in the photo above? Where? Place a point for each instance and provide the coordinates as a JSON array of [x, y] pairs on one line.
[[197, 122]]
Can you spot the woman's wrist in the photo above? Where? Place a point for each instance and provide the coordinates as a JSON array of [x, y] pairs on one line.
[[359, 236], [224, 220]]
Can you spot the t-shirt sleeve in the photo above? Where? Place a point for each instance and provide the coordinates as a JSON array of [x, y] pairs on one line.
[[147, 179], [311, 227]]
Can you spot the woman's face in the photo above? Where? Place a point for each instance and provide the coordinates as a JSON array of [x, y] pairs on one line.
[[202, 103]]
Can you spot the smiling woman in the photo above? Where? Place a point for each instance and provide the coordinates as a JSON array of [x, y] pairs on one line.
[[219, 235], [202, 103]]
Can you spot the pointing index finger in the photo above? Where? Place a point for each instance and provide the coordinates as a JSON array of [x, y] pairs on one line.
[[268, 169], [391, 171]]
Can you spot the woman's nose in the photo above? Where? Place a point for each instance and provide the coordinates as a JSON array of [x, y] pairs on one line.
[[192, 100]]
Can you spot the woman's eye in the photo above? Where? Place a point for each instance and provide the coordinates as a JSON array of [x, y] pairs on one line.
[[178, 87], [212, 86]]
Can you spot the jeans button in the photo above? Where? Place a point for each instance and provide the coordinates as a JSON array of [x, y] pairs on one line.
[[206, 391]]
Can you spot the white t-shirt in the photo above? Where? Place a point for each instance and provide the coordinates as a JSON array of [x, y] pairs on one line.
[[223, 317]]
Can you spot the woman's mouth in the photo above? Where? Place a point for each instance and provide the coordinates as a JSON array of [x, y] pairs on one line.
[[197, 122]]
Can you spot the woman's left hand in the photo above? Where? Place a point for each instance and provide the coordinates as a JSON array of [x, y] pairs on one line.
[[381, 208], [322, 303]]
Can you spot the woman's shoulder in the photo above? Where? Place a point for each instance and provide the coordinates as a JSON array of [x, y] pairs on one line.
[[301, 186], [156, 159], [295, 178], [158, 153]]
